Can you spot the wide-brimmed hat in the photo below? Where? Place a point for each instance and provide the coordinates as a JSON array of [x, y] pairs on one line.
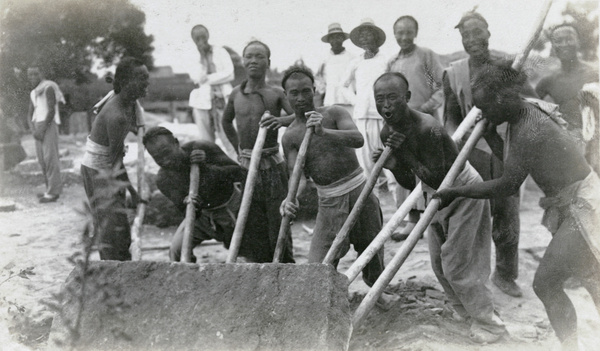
[[368, 23], [332, 29]]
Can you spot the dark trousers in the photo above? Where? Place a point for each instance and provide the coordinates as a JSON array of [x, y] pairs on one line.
[[505, 217], [107, 204]]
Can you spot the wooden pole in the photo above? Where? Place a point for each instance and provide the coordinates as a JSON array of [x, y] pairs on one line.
[[404, 209], [292, 193], [138, 222], [190, 214], [371, 298], [357, 208], [390, 270], [384, 235], [240, 223]]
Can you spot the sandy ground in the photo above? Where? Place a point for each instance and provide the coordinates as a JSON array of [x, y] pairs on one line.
[[42, 237]]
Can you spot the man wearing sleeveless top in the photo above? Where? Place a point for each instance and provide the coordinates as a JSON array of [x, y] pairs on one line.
[[118, 116], [252, 104], [44, 117], [458, 102]]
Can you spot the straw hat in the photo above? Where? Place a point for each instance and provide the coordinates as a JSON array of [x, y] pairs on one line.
[[368, 23], [334, 28]]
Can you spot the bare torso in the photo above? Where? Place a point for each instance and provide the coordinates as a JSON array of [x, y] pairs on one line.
[[428, 151], [248, 108], [326, 161], [546, 151], [563, 87], [111, 126]]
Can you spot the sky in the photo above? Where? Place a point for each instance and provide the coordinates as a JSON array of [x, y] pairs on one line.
[[293, 28]]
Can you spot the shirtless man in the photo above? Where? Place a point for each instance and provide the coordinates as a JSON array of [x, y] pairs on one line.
[[104, 153], [540, 147], [248, 104], [460, 236], [564, 85], [332, 164], [219, 194]]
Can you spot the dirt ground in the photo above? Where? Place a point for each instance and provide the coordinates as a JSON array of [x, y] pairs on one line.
[[36, 241]]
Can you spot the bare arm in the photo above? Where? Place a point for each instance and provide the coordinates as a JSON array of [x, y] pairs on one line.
[[541, 89], [346, 134], [291, 154], [169, 185], [227, 123], [514, 175], [209, 156], [452, 113], [494, 140], [42, 128], [116, 127], [30, 116], [401, 171]]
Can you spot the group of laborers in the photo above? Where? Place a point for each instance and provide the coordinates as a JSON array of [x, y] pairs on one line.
[[370, 102]]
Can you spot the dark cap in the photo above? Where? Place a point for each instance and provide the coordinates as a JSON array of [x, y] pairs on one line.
[[471, 15]]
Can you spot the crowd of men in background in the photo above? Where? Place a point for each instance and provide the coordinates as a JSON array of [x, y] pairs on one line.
[[408, 102]]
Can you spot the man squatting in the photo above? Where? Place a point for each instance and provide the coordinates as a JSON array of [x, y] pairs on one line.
[[218, 200]]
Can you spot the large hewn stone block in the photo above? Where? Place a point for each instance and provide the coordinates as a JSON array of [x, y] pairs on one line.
[[178, 306]]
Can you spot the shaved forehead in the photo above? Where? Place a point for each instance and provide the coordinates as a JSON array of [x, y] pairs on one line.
[[393, 76], [563, 29]]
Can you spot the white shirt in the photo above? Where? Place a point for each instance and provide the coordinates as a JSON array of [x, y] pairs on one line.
[[40, 102], [218, 81], [364, 73], [334, 71]]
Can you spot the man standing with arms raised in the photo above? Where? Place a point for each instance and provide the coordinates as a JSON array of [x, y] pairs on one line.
[[459, 101], [104, 151], [252, 104], [332, 164], [212, 77]]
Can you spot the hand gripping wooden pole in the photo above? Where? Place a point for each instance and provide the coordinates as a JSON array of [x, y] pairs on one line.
[[357, 208], [392, 267], [242, 217], [387, 231], [292, 192], [190, 214], [371, 298]]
